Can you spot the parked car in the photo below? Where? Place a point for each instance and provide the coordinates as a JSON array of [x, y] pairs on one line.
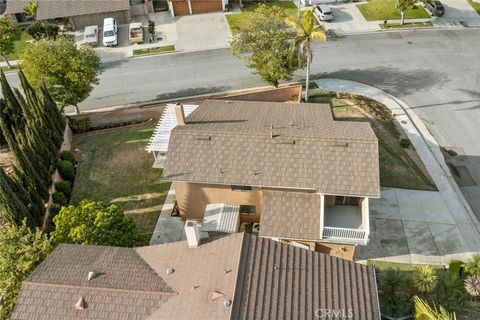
[[323, 12], [135, 32], [90, 35], [110, 31], [434, 8]]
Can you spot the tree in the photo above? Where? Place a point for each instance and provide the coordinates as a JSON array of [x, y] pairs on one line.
[[31, 10], [8, 32], [38, 31], [264, 43], [21, 250], [451, 294], [423, 311], [95, 223], [395, 286], [307, 32], [402, 6], [68, 72], [472, 266], [425, 279]]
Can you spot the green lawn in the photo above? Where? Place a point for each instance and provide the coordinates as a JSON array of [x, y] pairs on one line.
[[475, 5], [397, 169], [386, 10], [20, 43], [163, 49], [7, 69], [115, 167], [237, 19], [406, 25]]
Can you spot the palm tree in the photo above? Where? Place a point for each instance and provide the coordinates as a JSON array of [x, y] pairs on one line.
[[472, 285], [307, 31], [423, 311], [472, 266], [425, 279]]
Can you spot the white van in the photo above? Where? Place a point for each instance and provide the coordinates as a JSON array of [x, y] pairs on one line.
[[110, 30]]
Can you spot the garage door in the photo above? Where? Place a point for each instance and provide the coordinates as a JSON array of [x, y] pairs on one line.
[[199, 6], [180, 8]]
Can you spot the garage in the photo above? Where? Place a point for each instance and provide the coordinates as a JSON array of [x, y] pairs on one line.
[[180, 7], [79, 22], [200, 6], [187, 7]]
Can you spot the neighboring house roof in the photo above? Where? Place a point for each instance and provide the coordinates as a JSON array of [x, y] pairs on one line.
[[125, 284], [52, 9], [280, 281], [256, 274], [232, 142], [290, 215]]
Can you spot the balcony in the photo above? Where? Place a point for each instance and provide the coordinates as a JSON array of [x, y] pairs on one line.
[[346, 223]]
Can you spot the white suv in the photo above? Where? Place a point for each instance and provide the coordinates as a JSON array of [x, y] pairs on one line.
[[110, 30], [323, 12]]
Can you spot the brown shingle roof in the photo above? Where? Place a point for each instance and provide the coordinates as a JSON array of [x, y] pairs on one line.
[[279, 281], [230, 143], [51, 9], [264, 279], [125, 284], [290, 215]]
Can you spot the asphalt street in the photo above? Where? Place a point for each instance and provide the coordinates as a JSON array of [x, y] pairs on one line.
[[435, 71]]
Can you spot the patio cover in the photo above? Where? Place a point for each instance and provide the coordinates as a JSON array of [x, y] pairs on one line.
[[221, 217]]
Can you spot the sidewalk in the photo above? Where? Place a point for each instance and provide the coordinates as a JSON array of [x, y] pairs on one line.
[[416, 226]]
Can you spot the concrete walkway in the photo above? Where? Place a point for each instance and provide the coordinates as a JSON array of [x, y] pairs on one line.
[[168, 229], [416, 226]]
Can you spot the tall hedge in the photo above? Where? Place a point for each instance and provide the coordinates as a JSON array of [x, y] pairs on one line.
[[33, 129]]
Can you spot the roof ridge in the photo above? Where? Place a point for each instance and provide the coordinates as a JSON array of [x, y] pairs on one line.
[[266, 134], [173, 293]]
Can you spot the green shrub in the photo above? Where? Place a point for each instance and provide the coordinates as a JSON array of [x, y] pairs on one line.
[[66, 170], [68, 156], [59, 198], [455, 268], [79, 125], [405, 143], [65, 188]]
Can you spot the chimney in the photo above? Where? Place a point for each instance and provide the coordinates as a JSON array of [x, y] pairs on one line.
[[192, 232], [180, 114]]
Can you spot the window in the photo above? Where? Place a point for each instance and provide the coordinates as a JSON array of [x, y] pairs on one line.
[[133, 2], [248, 210], [347, 201], [241, 188]]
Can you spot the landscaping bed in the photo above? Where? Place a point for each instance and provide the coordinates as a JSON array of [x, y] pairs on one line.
[[400, 167], [475, 5], [406, 25], [115, 167], [154, 50], [386, 10], [235, 20]]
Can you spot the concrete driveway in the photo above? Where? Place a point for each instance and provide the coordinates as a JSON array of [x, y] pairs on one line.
[[456, 12], [413, 226], [202, 32], [348, 19]]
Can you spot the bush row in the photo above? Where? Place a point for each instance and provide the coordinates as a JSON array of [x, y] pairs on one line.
[[63, 189]]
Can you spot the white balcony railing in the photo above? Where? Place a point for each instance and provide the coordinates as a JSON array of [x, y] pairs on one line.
[[350, 235]]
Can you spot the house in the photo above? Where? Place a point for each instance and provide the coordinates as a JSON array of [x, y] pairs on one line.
[[80, 13], [238, 276], [289, 169]]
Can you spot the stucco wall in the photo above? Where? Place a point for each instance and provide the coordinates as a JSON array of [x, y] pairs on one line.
[[192, 199]]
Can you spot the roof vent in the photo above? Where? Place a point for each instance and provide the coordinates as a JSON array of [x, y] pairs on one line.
[[216, 295], [169, 271], [227, 303], [81, 304], [91, 275]]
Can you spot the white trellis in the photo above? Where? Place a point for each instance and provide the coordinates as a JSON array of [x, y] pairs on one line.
[[158, 144]]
